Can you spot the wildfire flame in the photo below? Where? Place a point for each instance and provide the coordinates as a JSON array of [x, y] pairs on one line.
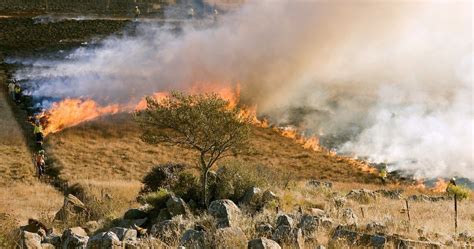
[[311, 143], [440, 186], [71, 112]]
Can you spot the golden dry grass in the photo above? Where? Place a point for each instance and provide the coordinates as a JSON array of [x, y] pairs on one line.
[[432, 217], [110, 148]]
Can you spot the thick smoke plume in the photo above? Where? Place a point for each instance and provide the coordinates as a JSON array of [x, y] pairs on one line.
[[391, 81]]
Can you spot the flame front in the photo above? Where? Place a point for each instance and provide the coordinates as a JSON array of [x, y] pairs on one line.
[[71, 112], [440, 186]]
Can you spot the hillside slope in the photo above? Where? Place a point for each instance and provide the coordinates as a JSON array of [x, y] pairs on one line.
[[22, 196], [111, 148]]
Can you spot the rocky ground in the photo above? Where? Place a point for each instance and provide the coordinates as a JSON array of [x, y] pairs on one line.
[[256, 221]]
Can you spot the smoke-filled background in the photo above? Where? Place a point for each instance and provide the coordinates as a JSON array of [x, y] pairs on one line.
[[390, 81]]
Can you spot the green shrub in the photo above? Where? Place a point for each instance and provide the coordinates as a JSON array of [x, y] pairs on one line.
[[158, 198], [234, 179], [187, 187], [162, 176], [462, 192]]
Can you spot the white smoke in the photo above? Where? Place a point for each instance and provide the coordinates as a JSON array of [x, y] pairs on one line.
[[395, 77]]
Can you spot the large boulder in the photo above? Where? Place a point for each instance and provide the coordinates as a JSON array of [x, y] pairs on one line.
[[75, 238], [343, 237], [229, 237], [309, 225], [291, 237], [71, 208], [225, 212], [30, 240], [104, 240], [193, 239], [167, 231], [263, 243], [284, 220], [125, 233], [177, 206]]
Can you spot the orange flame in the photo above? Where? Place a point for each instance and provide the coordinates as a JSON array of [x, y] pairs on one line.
[[157, 96], [71, 112], [440, 186], [311, 143]]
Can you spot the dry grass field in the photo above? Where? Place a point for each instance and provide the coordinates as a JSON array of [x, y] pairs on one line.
[[22, 196], [110, 148]]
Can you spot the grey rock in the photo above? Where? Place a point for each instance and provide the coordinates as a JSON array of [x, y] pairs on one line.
[[284, 220], [177, 206], [146, 243], [252, 197], [30, 240], [391, 194], [349, 217], [316, 183], [362, 195], [285, 235], [75, 238], [53, 239], [167, 231], [376, 227], [264, 230], [229, 237], [72, 207], [225, 212], [263, 243], [104, 240], [125, 233], [309, 225], [193, 239]]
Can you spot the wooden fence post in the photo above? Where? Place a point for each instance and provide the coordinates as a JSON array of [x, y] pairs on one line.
[[455, 213], [408, 210]]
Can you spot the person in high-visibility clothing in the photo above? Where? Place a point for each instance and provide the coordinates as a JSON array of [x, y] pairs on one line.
[[11, 90], [136, 13], [40, 161], [38, 132], [383, 174], [17, 93]]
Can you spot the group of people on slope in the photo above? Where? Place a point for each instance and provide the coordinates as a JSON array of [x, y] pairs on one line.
[[39, 158]]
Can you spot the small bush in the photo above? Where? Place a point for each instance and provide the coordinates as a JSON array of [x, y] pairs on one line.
[[187, 187], [158, 198], [162, 176], [461, 192], [234, 178]]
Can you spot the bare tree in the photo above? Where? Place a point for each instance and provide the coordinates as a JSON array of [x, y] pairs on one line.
[[203, 122]]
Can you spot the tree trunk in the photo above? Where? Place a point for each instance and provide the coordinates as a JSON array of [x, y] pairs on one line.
[[204, 180]]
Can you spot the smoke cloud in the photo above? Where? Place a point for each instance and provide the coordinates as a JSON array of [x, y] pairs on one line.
[[391, 81]]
